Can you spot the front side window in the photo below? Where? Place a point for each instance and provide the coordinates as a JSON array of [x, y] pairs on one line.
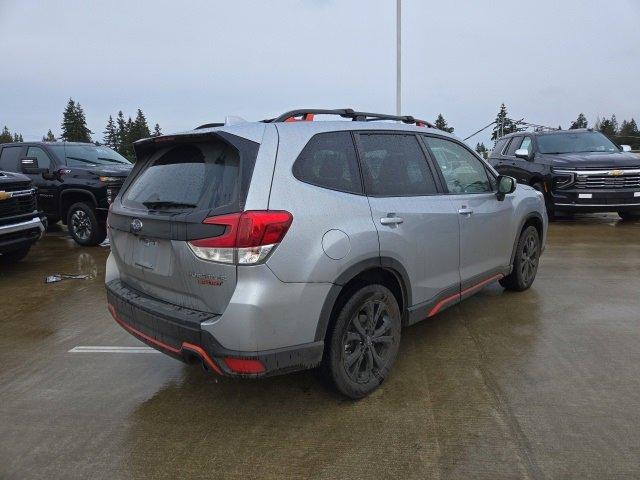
[[514, 145], [526, 144], [329, 161], [463, 172], [9, 160], [395, 165], [41, 155], [187, 176], [579, 142]]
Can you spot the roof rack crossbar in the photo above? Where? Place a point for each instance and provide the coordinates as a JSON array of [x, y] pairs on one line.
[[308, 115]]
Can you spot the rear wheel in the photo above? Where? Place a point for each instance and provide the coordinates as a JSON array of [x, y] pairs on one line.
[[630, 215], [525, 265], [84, 226], [364, 341], [539, 186], [15, 255]]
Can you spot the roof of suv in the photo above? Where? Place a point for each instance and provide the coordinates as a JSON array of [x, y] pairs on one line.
[[48, 143], [548, 132]]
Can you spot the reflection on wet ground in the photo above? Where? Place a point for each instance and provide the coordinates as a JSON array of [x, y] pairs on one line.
[[543, 384]]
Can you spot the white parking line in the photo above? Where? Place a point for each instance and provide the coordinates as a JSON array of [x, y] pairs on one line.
[[101, 349]]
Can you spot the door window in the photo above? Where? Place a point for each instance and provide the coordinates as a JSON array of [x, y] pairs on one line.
[[513, 146], [9, 159], [526, 144], [394, 165], [500, 144], [329, 161], [463, 172], [41, 155]]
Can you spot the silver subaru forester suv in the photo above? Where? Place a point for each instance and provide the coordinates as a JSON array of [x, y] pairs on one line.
[[268, 247]]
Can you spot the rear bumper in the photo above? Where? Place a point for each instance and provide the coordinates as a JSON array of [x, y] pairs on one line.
[[178, 332], [21, 233]]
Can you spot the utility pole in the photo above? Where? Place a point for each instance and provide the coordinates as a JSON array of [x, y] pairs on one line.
[[398, 57]]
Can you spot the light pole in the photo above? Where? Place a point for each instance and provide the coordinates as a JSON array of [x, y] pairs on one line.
[[398, 57]]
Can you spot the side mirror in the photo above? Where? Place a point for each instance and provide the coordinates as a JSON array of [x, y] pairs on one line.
[[625, 148], [523, 153], [29, 166], [506, 185]]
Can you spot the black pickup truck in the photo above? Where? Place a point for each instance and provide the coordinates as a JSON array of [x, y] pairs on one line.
[[76, 182], [576, 170], [21, 224]]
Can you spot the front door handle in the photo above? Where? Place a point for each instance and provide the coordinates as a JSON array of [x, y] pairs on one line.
[[465, 211], [391, 220]]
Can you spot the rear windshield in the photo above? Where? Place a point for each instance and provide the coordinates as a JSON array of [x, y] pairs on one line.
[[88, 155], [579, 142], [187, 176]]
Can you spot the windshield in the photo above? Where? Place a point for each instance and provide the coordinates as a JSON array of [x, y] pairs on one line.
[[88, 155], [579, 142]]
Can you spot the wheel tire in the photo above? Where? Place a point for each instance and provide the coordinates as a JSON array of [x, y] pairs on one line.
[[14, 256], [525, 265], [539, 186], [363, 342], [629, 215], [83, 225]]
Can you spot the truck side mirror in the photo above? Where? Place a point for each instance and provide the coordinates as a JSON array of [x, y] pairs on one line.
[[29, 165], [523, 153], [625, 148]]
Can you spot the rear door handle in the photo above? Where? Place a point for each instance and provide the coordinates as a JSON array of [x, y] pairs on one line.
[[391, 220], [465, 211]]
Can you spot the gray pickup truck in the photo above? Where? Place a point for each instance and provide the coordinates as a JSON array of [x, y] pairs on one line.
[[21, 223]]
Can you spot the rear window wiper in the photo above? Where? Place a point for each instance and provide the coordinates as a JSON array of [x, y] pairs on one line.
[[167, 204]]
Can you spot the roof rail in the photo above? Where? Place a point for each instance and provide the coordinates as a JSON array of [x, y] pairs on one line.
[[307, 115]]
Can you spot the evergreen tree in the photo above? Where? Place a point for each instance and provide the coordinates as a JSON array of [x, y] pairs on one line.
[[17, 137], [503, 124], [110, 137], [628, 129], [49, 137], [482, 150], [121, 133], [441, 124], [5, 136], [156, 131], [580, 122], [74, 124], [608, 127]]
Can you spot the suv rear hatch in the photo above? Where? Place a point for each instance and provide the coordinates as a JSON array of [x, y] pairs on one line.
[[177, 183]]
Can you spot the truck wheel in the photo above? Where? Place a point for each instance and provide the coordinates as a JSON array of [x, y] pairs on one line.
[[630, 215], [14, 256], [539, 186], [364, 341], [83, 225], [525, 265]]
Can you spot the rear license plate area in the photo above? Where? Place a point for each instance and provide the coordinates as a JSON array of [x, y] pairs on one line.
[[145, 253]]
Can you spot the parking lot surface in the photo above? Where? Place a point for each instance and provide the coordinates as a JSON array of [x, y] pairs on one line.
[[541, 384]]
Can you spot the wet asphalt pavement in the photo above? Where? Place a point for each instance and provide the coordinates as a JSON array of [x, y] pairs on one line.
[[543, 384]]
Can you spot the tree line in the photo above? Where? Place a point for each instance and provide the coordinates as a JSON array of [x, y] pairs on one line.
[[119, 134]]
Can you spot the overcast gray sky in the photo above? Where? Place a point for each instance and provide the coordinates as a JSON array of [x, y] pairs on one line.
[[186, 63]]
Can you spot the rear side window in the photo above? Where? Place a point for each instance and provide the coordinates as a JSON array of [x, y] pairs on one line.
[[500, 144], [188, 175], [329, 161], [394, 165], [9, 159]]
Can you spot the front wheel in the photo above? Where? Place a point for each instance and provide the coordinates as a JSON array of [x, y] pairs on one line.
[[364, 341], [629, 215], [84, 226], [525, 265]]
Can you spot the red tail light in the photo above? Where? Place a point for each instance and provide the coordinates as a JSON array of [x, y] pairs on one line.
[[248, 238]]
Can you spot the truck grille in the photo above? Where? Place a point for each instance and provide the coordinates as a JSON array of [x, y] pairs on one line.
[[24, 200], [599, 181]]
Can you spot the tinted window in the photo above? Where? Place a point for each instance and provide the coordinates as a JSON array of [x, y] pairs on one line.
[[41, 155], [514, 145], [526, 144], [500, 144], [394, 165], [88, 155], [329, 160], [463, 171], [9, 159], [186, 176]]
